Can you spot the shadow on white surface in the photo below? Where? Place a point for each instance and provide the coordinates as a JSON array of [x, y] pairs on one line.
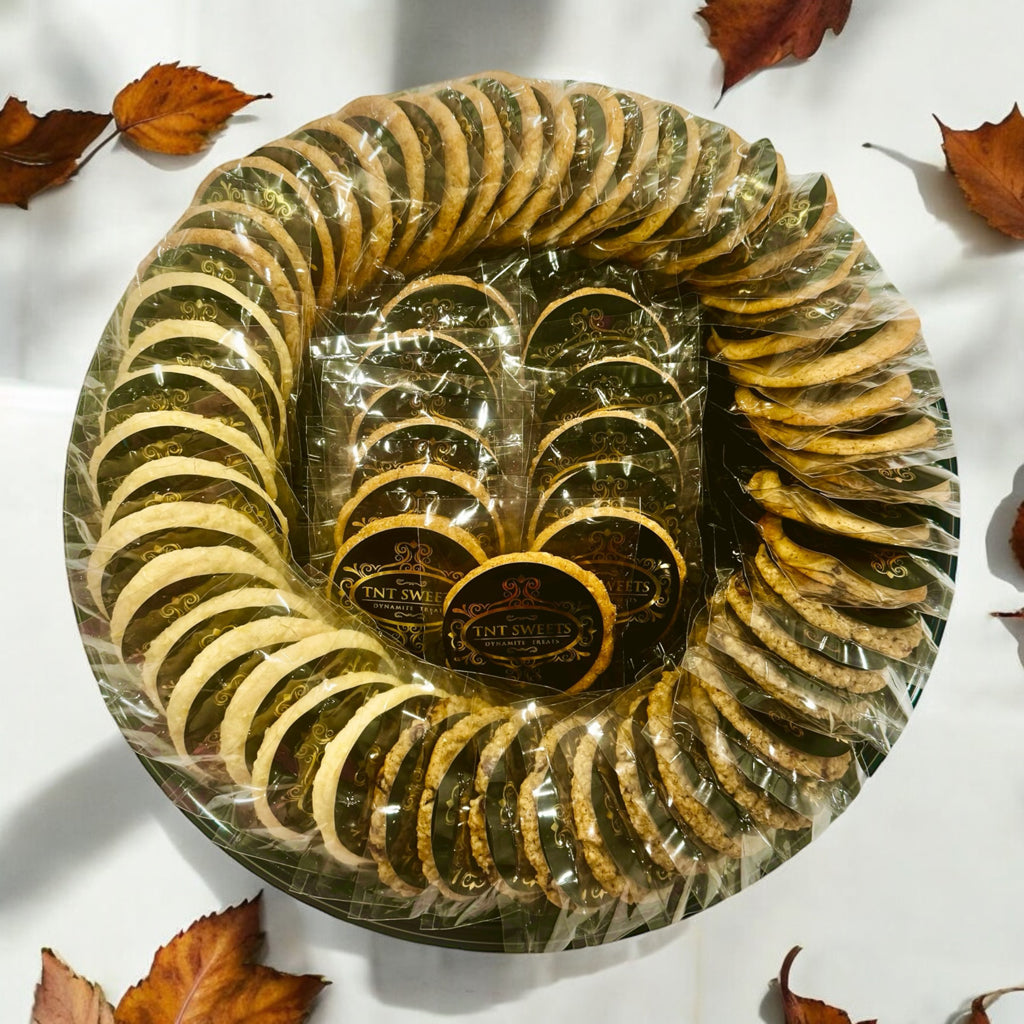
[[449, 982], [943, 199], [1001, 562], [448, 38], [61, 828]]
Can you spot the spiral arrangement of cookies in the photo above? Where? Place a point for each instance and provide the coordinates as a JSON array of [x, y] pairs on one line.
[[418, 789]]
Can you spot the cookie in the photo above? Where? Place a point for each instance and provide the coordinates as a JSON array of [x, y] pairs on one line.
[[180, 643], [423, 442], [855, 352], [446, 178], [168, 302], [225, 351], [771, 729], [532, 618], [559, 136], [843, 677], [237, 260], [196, 702], [399, 571], [800, 214], [392, 837], [689, 781], [720, 152], [638, 563], [732, 648], [424, 490], [847, 571], [357, 161], [678, 149], [550, 838], [269, 689], [128, 545], [833, 260], [485, 143], [443, 835], [633, 182], [878, 522], [895, 633], [726, 758], [172, 582], [522, 140], [826, 405], [591, 323], [600, 132], [147, 436], [267, 185], [194, 389], [318, 737], [493, 820], [596, 437], [335, 201], [757, 178], [175, 478], [251, 225], [614, 851], [615, 483], [668, 842], [615, 382], [397, 145]]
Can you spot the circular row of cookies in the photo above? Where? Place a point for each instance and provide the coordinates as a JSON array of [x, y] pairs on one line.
[[184, 499]]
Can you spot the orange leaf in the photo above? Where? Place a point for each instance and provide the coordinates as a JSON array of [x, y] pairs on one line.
[[207, 973], [800, 1009], [981, 1004], [988, 164], [62, 997], [39, 152], [753, 34], [172, 109]]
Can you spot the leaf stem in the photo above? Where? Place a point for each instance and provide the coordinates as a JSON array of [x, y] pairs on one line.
[[95, 149]]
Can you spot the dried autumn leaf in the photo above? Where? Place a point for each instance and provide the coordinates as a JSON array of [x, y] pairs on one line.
[[63, 997], [983, 1002], [753, 34], [800, 1009], [174, 109], [207, 973], [988, 164], [39, 152], [1017, 536]]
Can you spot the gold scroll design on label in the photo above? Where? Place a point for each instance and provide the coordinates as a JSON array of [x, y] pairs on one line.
[[406, 621], [522, 605], [603, 444], [615, 548], [591, 326], [456, 813], [900, 474], [891, 564]]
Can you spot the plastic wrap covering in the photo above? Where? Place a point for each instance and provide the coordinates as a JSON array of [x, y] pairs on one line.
[[511, 514]]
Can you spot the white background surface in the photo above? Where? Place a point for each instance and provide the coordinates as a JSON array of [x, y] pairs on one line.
[[913, 900]]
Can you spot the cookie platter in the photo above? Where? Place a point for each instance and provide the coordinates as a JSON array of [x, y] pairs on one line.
[[511, 514]]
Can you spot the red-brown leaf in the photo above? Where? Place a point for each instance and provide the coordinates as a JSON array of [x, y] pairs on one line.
[[983, 1002], [207, 973], [800, 1009], [39, 152], [753, 34], [174, 109], [63, 997], [1017, 536], [988, 164]]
